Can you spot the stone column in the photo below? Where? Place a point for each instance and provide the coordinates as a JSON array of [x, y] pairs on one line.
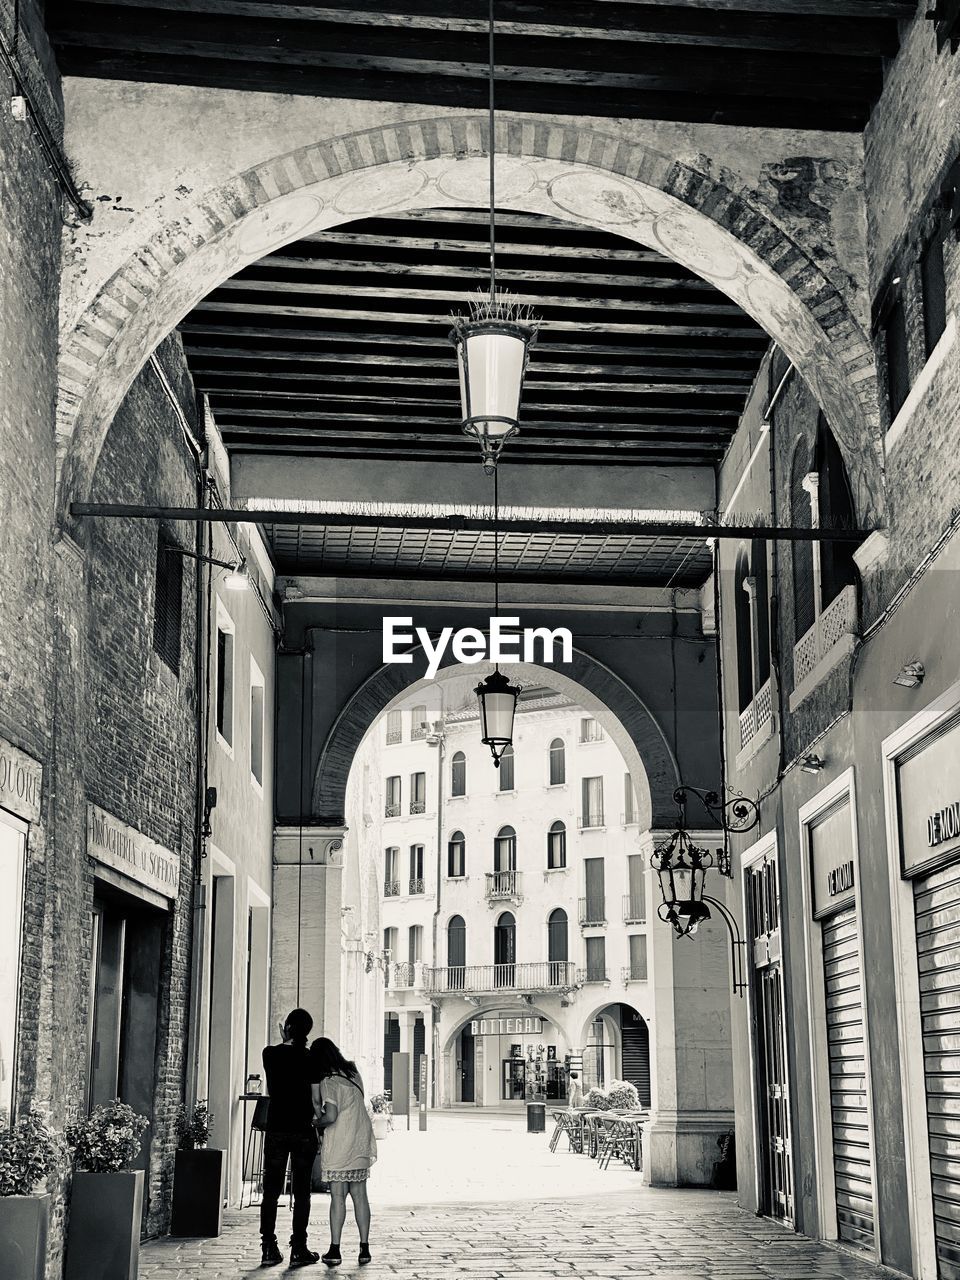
[[691, 1059], [306, 949]]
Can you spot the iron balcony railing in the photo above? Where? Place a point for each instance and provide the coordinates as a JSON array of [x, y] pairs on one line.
[[634, 909], [593, 973], [419, 731], [391, 888], [591, 733], [391, 810], [544, 975], [394, 735], [590, 820], [416, 885], [629, 819], [502, 885], [592, 912], [634, 973], [405, 976], [418, 806]]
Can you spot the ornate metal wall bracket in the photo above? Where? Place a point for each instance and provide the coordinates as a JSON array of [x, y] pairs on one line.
[[737, 945]]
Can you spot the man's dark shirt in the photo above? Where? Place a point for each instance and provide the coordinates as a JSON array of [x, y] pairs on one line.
[[287, 1069]]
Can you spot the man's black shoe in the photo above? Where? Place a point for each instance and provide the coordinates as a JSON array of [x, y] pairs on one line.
[[271, 1254], [301, 1256]]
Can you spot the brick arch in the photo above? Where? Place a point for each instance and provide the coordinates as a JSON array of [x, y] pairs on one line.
[[577, 173], [619, 708]]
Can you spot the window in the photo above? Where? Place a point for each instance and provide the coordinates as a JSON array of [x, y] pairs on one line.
[[391, 941], [629, 801], [558, 762], [168, 602], [416, 868], [456, 952], [391, 872], [636, 904], [505, 850], [801, 552], [752, 616], [391, 807], [596, 960], [458, 774], [557, 952], [12, 861], [835, 504], [418, 793], [419, 726], [256, 723], [415, 944], [505, 771], [224, 676], [590, 730], [394, 727], [934, 288], [505, 950], [594, 904], [556, 846], [638, 957], [894, 329], [457, 856], [592, 798]]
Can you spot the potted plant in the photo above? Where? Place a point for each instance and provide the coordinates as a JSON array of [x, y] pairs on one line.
[[29, 1155], [623, 1096], [381, 1114], [198, 1178], [103, 1236]]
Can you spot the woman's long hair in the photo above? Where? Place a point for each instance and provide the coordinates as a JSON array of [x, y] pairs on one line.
[[327, 1061]]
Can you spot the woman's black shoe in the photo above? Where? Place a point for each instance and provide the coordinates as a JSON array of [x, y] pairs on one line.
[[270, 1255], [301, 1256], [332, 1257], [364, 1257]]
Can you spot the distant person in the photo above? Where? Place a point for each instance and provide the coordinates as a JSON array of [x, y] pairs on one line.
[[574, 1092], [290, 1134], [349, 1147]]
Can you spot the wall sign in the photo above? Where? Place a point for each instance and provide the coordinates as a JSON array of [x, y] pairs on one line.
[[507, 1027], [21, 781], [128, 851], [832, 860], [928, 792]]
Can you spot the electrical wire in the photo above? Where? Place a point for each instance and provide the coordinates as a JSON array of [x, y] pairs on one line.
[[493, 161]]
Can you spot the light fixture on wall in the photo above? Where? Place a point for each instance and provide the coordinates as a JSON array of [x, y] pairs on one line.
[[910, 675], [812, 763], [493, 342], [238, 579]]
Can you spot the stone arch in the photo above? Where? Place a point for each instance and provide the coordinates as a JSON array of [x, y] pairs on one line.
[[563, 169], [601, 1008], [620, 709], [532, 1010]]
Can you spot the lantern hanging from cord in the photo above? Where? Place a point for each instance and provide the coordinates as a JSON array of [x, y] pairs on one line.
[[498, 706]]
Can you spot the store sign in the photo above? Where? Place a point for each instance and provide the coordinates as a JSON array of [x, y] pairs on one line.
[[507, 1027], [21, 781], [928, 786], [128, 851], [832, 861]]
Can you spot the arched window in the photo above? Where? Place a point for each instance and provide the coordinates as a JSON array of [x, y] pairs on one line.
[[456, 953], [837, 566], [804, 614], [752, 622], [458, 774], [505, 951], [505, 850], [557, 952], [506, 770], [457, 856], [744, 632], [556, 846], [558, 762]]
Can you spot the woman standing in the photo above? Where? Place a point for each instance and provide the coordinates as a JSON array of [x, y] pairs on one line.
[[349, 1147]]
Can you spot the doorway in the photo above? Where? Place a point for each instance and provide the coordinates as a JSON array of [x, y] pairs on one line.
[[505, 951], [514, 1080], [466, 1061]]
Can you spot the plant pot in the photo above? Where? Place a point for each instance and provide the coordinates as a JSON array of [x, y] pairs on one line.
[[381, 1125], [103, 1238], [198, 1189], [24, 1222]]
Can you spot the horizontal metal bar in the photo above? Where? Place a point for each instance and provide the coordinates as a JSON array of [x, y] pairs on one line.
[[457, 523]]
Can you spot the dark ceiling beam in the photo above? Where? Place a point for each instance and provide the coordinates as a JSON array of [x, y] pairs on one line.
[[659, 456], [688, 25], [506, 248], [695, 441], [381, 386], [694, 574]]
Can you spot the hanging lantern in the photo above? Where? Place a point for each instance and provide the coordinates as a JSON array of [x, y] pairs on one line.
[[682, 867], [492, 349], [498, 705]]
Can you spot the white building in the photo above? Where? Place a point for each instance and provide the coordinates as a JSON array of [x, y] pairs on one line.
[[514, 902]]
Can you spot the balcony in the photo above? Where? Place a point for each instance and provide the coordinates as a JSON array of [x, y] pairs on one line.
[[831, 639], [756, 721], [629, 819], [418, 806], [391, 888], [419, 731], [631, 973], [503, 886], [593, 974], [593, 913], [405, 976], [477, 979], [394, 736], [634, 909], [391, 810], [591, 821], [416, 885], [592, 733]]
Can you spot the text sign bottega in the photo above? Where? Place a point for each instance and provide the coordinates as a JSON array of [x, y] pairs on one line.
[[128, 851], [507, 1027]]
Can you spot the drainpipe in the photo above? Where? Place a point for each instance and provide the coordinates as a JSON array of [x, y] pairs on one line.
[[435, 1033]]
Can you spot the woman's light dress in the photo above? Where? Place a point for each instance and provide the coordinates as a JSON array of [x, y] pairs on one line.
[[349, 1147]]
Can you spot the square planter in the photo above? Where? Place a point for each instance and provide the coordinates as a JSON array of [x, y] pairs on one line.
[[103, 1238], [198, 1188], [24, 1222]]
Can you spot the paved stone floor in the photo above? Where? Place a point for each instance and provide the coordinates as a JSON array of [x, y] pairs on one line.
[[482, 1198]]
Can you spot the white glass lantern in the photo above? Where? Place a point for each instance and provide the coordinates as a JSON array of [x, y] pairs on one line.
[[682, 868], [498, 705], [492, 357]]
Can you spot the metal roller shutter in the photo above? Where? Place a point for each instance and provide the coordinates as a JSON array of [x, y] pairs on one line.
[[937, 904], [636, 1058], [848, 1080]]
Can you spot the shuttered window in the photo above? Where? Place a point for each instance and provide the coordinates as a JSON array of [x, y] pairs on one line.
[[638, 957]]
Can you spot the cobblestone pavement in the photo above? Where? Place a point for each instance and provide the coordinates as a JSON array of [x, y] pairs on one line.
[[485, 1200]]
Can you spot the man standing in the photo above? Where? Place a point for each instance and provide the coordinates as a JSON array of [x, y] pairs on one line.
[[574, 1092], [290, 1135]]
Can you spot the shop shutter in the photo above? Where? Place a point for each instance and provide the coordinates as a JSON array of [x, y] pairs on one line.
[[846, 1049], [636, 1056], [391, 1045], [937, 903]]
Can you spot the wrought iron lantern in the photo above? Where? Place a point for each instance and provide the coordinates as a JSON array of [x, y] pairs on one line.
[[682, 868], [492, 349], [498, 706]]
